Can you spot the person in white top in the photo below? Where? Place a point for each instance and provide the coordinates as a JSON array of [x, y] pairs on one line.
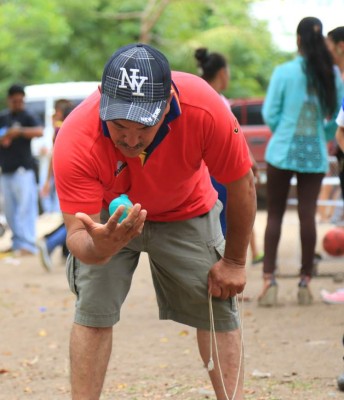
[[336, 297]]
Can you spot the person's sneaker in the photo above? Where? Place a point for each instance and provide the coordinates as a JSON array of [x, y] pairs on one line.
[[44, 255], [317, 257], [304, 295], [269, 296], [336, 297], [258, 259]]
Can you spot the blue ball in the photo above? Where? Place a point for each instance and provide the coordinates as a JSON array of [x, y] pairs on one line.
[[122, 200]]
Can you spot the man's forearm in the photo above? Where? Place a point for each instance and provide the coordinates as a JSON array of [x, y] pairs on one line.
[[31, 132], [81, 245], [240, 214]]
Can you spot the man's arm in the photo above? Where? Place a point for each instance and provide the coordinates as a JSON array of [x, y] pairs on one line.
[[240, 215], [27, 132], [20, 131], [95, 243], [228, 277]]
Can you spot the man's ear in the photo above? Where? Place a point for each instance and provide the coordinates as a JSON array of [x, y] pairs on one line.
[[168, 106]]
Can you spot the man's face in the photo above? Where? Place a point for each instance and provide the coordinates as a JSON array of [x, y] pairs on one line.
[[16, 102], [132, 138]]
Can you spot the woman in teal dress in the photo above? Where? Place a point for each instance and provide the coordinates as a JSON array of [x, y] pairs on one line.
[[300, 107]]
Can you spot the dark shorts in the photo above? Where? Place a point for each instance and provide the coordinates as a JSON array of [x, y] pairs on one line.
[[180, 256]]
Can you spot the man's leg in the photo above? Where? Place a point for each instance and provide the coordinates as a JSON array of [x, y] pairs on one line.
[[25, 191], [9, 204], [100, 291], [229, 348], [90, 350]]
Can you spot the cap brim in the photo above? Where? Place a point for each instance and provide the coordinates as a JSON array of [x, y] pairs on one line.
[[148, 114]]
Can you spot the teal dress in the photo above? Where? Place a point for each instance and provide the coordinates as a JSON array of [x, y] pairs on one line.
[[300, 130]]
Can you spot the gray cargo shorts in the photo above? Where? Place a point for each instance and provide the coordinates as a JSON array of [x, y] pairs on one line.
[[180, 256]]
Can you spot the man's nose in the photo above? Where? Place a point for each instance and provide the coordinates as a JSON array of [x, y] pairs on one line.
[[132, 139]]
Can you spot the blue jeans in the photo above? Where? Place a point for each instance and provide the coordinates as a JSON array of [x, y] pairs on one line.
[[51, 203], [20, 194], [56, 238]]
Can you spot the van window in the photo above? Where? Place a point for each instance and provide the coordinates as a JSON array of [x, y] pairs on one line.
[[237, 111], [248, 112], [254, 114], [37, 108], [40, 100]]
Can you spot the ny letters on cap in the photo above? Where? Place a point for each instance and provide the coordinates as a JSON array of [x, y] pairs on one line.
[[136, 85]]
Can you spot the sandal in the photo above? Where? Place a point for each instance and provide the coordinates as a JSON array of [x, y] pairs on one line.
[[269, 296]]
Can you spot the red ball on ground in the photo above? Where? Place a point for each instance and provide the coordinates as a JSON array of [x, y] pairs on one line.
[[333, 241]]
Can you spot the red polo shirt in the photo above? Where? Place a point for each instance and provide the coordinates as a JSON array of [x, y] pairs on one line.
[[174, 183]]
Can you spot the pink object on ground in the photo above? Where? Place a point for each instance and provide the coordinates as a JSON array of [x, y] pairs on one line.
[[336, 297]]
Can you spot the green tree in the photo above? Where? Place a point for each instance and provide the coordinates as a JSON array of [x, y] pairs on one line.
[[61, 40]]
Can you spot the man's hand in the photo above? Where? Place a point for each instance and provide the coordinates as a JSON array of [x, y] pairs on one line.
[[6, 141], [226, 279], [103, 240], [11, 133]]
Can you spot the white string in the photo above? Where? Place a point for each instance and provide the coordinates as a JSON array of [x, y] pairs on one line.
[[213, 335]]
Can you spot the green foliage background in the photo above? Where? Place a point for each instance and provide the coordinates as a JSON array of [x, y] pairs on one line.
[[70, 40]]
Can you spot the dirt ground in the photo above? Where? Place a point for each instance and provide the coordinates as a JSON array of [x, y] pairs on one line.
[[291, 352]]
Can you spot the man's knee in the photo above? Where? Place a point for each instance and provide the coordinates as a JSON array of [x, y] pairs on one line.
[[90, 331]]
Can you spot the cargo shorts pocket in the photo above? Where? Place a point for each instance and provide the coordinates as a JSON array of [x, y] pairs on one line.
[[217, 247], [71, 272], [220, 247]]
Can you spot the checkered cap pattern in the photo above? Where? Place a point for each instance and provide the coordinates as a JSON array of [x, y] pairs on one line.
[[136, 84]]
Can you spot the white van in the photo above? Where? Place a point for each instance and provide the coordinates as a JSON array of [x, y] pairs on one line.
[[40, 99]]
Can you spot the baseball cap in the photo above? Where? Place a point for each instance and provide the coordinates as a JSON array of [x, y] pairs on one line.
[[136, 85]]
